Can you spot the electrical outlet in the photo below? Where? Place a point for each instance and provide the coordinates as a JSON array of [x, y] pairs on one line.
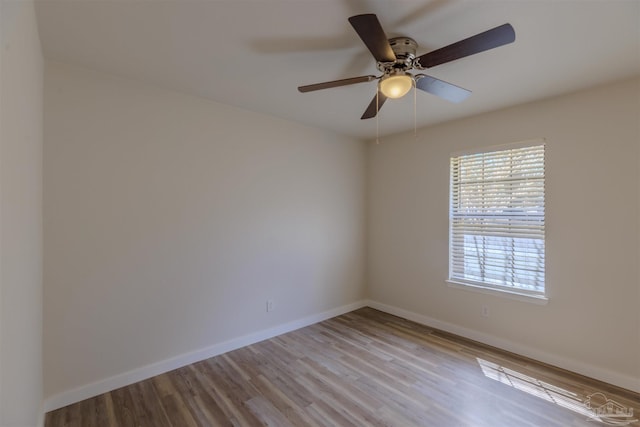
[[270, 305], [485, 311]]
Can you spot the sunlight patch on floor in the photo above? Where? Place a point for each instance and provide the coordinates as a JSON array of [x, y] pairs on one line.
[[534, 387]]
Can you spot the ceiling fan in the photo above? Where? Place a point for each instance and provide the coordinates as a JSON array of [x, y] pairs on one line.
[[396, 56]]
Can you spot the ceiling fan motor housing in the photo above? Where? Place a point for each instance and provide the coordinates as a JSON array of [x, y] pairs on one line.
[[405, 50]]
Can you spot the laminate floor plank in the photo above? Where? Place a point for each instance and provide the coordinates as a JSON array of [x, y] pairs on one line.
[[171, 401], [295, 414], [364, 368], [125, 415], [100, 414]]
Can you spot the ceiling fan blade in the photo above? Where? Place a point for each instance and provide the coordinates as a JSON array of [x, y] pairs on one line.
[[440, 88], [374, 106], [370, 31], [336, 83], [495, 37]]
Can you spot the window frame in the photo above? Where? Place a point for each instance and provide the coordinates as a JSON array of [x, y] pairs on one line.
[[511, 292]]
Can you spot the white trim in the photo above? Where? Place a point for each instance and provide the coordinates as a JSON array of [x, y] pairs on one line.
[[105, 385], [503, 293], [573, 365]]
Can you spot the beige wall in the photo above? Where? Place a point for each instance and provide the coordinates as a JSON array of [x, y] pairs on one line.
[[170, 220], [591, 322], [20, 216]]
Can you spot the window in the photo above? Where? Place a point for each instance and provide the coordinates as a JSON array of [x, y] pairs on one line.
[[496, 222]]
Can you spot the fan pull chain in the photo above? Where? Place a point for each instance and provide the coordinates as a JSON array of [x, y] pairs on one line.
[[415, 114], [377, 123]]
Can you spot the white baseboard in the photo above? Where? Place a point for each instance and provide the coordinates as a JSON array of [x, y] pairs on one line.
[[105, 385], [602, 374]]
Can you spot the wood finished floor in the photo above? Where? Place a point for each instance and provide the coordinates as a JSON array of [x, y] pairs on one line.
[[364, 368]]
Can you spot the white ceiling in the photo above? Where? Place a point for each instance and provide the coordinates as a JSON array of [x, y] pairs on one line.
[[254, 53]]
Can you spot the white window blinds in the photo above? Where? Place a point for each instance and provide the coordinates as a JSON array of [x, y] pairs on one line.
[[497, 219]]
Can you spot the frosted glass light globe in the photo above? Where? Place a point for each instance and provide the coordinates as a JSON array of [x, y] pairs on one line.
[[396, 85]]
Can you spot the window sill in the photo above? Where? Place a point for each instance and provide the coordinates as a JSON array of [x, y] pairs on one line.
[[514, 295]]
